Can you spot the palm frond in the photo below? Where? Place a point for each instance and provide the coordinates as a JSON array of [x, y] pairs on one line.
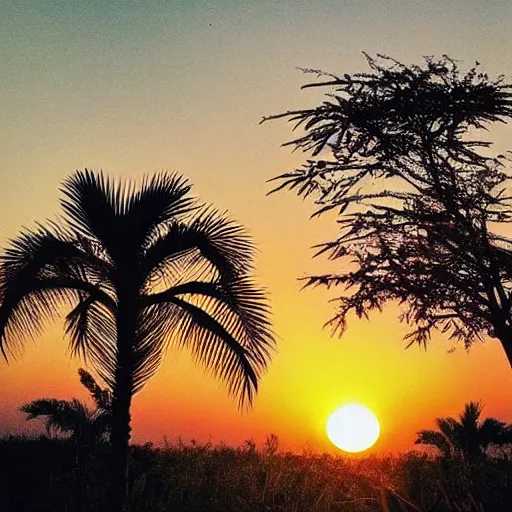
[[433, 438], [39, 272], [61, 415], [121, 215], [160, 199], [240, 306], [450, 428], [93, 335], [226, 358], [251, 317], [221, 242], [95, 208], [71, 417], [494, 431], [221, 354], [155, 328], [471, 415]]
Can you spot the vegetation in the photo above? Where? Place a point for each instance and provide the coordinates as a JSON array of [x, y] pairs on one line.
[[141, 268], [469, 436], [144, 268], [85, 427], [396, 152], [35, 475]]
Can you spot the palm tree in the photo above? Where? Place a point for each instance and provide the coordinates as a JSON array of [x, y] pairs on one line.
[[466, 436], [141, 269], [85, 426]]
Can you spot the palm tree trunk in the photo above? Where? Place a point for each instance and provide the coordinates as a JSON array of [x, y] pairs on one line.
[[120, 437], [122, 397]]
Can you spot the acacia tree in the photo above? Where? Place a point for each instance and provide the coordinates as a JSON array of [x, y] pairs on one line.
[[141, 269], [419, 198], [467, 436]]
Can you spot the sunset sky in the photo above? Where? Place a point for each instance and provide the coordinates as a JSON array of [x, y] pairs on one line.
[[135, 87]]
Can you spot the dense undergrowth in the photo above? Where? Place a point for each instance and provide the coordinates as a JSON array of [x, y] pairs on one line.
[[44, 475]]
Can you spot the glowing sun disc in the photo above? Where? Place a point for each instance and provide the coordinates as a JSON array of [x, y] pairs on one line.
[[353, 428]]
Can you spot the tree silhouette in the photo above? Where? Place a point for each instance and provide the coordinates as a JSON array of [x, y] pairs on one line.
[[142, 269], [466, 436], [102, 396], [419, 199], [85, 426]]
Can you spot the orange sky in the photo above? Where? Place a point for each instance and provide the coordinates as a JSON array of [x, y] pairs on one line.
[[137, 89]]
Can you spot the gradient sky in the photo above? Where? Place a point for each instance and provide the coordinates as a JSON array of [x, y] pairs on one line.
[[134, 87]]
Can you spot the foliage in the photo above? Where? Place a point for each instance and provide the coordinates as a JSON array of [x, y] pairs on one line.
[[73, 417], [141, 269], [395, 153], [189, 269], [468, 435], [202, 477], [102, 397]]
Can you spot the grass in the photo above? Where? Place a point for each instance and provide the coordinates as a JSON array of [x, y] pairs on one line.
[[44, 475]]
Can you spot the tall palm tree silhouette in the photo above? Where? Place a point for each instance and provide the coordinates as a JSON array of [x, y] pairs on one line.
[[141, 268], [466, 436]]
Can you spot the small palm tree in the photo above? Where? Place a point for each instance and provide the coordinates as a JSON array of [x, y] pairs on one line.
[[85, 426], [141, 268], [466, 436]]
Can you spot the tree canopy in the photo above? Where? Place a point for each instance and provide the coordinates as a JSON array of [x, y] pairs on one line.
[[468, 435], [421, 200], [142, 267], [73, 417]]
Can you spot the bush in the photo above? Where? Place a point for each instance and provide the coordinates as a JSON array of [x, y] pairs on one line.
[[42, 475]]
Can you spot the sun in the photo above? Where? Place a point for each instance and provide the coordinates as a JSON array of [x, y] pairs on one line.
[[353, 428]]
